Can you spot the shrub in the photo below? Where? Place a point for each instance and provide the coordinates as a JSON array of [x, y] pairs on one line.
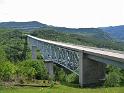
[[7, 70], [59, 73], [64, 75], [26, 72], [113, 77], [33, 69], [72, 78]]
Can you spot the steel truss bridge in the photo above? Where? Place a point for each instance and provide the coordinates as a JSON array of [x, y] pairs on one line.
[[87, 62]]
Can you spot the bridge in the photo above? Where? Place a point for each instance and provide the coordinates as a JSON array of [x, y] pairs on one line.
[[87, 62]]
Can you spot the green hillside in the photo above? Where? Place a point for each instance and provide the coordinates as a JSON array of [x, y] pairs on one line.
[[32, 25], [91, 32]]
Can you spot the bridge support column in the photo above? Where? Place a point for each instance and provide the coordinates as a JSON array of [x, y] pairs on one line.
[[81, 69], [34, 52], [91, 72], [49, 66]]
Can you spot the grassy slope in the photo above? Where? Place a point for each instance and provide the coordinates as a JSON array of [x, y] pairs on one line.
[[61, 89]]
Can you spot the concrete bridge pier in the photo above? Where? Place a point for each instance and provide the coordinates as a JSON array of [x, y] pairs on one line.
[[91, 72], [34, 56], [49, 66]]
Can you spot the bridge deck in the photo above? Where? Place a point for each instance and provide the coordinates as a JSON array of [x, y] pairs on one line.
[[89, 50]]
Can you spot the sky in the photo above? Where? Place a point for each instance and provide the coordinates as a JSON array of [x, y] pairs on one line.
[[64, 13]]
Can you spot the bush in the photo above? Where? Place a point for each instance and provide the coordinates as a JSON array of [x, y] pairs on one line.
[[113, 77], [26, 72], [59, 73], [72, 78], [64, 75], [32, 69], [7, 70]]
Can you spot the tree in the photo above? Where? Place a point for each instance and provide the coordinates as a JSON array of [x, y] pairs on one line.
[[113, 76], [15, 46], [32, 69], [7, 70]]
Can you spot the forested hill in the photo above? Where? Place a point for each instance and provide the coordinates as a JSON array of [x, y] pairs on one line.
[[89, 32], [112, 32], [22, 25], [116, 32]]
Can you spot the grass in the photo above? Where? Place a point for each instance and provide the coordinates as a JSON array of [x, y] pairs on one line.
[[60, 89]]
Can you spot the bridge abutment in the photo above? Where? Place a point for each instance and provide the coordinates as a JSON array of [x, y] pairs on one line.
[[91, 72]]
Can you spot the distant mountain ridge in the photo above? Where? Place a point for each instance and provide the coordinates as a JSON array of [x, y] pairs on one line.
[[92, 32], [116, 32], [22, 25]]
